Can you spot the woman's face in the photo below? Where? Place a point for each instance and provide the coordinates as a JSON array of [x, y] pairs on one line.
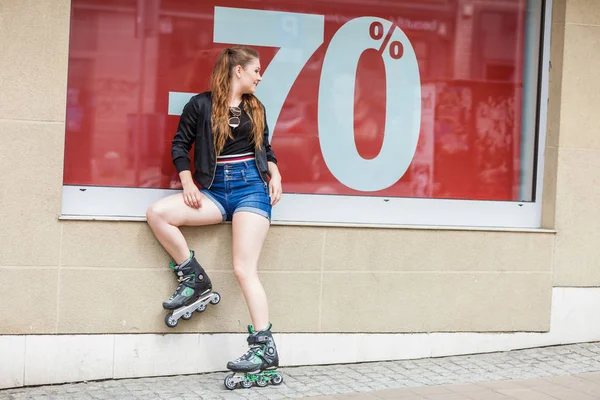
[[249, 76]]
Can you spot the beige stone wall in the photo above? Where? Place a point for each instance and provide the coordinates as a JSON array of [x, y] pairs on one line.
[[97, 277], [112, 277], [577, 146], [34, 38]]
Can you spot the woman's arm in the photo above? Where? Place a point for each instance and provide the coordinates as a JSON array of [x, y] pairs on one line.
[[273, 170], [275, 188], [185, 136], [180, 151], [270, 153]]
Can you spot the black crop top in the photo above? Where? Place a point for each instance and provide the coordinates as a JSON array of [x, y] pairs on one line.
[[240, 143]]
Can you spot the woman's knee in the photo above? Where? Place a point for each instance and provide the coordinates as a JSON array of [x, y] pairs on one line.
[[244, 271], [157, 212], [152, 212]]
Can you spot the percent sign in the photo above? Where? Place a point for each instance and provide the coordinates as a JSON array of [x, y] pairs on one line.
[[376, 32]]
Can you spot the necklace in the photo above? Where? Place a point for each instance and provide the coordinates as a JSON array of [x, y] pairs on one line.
[[234, 116]]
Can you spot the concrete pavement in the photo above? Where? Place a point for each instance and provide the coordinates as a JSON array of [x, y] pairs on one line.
[[561, 372]]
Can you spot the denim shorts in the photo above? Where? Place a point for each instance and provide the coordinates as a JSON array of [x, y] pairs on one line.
[[238, 186]]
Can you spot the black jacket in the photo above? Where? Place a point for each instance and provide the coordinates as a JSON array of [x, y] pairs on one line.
[[195, 128]]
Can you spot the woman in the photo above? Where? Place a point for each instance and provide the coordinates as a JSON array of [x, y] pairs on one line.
[[237, 169]]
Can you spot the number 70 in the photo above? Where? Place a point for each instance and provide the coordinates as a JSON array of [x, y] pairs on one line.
[[298, 36]]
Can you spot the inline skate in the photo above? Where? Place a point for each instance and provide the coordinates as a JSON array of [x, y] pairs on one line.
[[193, 293], [258, 364]]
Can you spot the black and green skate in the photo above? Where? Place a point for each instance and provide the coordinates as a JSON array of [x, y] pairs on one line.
[[193, 293], [258, 365]]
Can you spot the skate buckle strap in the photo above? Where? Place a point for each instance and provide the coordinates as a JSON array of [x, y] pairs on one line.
[[262, 339], [254, 339]]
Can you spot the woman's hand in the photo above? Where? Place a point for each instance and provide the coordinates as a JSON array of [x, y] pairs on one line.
[[275, 189], [191, 196]]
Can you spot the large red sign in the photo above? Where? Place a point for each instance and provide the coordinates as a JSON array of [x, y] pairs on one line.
[[403, 98]]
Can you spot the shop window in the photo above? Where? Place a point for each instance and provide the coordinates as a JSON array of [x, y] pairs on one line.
[[387, 113]]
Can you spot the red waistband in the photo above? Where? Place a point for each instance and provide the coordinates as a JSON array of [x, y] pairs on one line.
[[234, 159]]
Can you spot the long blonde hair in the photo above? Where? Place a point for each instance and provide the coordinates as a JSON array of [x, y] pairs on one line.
[[220, 86]]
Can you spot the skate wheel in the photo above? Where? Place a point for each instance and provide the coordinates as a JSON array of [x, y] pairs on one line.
[[229, 383], [187, 315], [277, 379], [262, 382], [216, 298], [246, 384], [170, 321], [201, 308]]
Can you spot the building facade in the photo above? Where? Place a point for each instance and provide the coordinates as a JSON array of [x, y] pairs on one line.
[[455, 211]]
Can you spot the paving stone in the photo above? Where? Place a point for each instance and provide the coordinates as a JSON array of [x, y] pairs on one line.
[[362, 378]]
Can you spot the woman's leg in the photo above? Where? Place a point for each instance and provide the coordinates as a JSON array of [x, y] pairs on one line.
[[165, 217], [249, 232], [168, 214]]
